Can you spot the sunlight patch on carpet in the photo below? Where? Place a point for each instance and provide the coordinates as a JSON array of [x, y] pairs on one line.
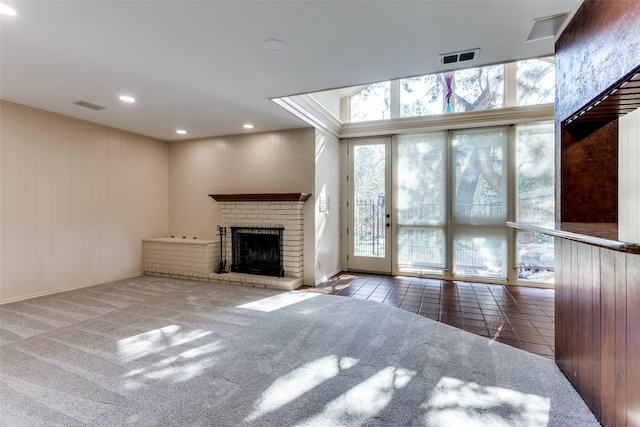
[[456, 402], [365, 400], [296, 383], [157, 340], [277, 302]]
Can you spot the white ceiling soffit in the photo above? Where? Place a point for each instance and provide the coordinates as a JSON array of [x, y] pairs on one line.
[[201, 65]]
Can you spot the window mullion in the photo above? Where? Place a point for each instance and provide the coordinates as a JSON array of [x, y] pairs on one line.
[[512, 271], [394, 99], [510, 85], [449, 221]]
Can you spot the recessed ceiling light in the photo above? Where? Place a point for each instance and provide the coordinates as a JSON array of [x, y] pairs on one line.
[[274, 46], [181, 131], [6, 10], [247, 126], [126, 98]]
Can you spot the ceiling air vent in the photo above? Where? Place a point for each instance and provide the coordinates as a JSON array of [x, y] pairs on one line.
[[546, 27], [89, 105], [449, 59], [467, 55]]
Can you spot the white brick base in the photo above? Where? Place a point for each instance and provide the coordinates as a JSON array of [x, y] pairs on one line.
[[184, 257], [193, 259]]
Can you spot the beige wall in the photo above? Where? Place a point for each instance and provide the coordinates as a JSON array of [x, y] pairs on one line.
[[270, 162], [629, 177], [76, 200], [327, 223]]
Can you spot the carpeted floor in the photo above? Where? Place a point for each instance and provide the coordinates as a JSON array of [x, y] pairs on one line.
[[523, 317], [153, 351]]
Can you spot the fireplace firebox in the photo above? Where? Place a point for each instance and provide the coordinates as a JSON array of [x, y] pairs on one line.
[[256, 250]]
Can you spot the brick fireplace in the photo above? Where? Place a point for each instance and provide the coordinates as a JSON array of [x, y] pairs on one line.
[[269, 211], [200, 259]]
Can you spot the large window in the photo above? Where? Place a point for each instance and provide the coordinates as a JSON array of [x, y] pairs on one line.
[[479, 88], [421, 96], [453, 200], [480, 208], [370, 103], [454, 190], [421, 201], [535, 200], [535, 81], [472, 89]]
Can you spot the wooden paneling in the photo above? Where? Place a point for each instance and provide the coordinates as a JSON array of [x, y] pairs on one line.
[[262, 163], [621, 338], [599, 48], [77, 200], [584, 308], [598, 328], [607, 337], [261, 197], [596, 336], [633, 342], [589, 176], [597, 291]]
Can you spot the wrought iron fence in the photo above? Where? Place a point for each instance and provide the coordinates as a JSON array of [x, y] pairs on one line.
[[369, 224]]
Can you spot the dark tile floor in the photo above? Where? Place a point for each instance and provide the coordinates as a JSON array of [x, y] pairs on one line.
[[518, 316]]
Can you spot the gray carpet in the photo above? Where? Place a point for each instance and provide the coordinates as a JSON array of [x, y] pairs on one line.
[[153, 351]]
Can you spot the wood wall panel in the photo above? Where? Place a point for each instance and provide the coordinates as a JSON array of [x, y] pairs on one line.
[[584, 359], [560, 304], [621, 338], [596, 273], [633, 342], [598, 328], [589, 176], [575, 318], [597, 48], [77, 200], [607, 337]]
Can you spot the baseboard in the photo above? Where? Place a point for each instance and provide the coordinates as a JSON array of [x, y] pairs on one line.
[[327, 277], [58, 291]]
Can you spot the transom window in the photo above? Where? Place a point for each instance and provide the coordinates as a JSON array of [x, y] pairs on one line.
[[472, 89]]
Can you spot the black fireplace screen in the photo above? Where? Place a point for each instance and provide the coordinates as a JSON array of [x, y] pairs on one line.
[[257, 251]]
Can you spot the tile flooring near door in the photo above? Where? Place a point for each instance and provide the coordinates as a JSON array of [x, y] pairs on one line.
[[522, 317]]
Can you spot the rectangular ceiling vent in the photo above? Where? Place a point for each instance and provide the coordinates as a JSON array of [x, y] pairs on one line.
[[89, 105], [546, 27], [467, 55]]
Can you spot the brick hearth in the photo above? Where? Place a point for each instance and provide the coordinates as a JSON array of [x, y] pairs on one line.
[[196, 259]]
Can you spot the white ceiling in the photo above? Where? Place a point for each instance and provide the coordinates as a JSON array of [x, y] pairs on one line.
[[200, 65]]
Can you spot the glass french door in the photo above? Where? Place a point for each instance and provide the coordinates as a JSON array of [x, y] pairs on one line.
[[370, 222]]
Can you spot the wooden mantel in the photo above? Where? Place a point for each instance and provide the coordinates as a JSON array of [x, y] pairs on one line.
[[262, 197]]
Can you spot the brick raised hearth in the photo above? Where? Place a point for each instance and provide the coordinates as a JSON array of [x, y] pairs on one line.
[[196, 259]]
